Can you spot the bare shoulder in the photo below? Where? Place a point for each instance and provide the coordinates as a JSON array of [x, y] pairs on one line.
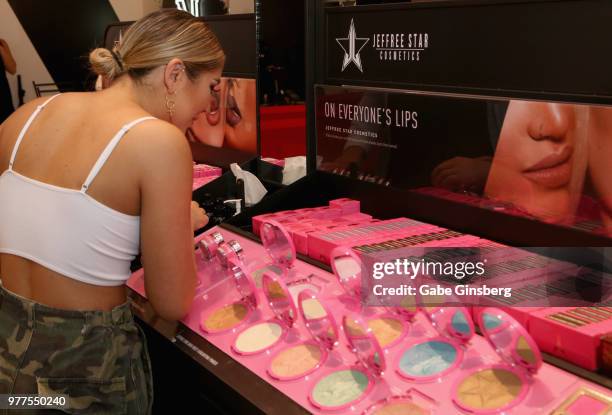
[[10, 128], [159, 143]]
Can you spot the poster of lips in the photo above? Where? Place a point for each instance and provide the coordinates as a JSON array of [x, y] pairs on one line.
[[542, 160]]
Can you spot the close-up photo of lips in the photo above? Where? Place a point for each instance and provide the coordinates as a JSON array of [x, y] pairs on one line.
[[540, 160], [553, 171], [231, 119]]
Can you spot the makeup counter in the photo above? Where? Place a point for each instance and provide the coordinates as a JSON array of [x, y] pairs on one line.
[[278, 323]]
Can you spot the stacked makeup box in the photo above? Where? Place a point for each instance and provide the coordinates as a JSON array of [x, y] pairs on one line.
[[317, 231], [204, 174], [571, 333], [301, 223]]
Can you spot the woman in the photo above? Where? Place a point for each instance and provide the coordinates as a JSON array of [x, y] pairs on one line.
[[209, 126], [77, 204], [7, 64], [241, 115], [231, 120], [540, 159]]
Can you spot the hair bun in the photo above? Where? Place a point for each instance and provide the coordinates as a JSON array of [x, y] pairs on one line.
[[103, 63]]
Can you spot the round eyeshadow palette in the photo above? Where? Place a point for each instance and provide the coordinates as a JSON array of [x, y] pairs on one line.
[[296, 361], [489, 390], [258, 338], [340, 388], [224, 318], [428, 359]]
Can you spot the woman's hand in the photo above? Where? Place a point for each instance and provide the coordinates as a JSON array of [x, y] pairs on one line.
[[198, 216]]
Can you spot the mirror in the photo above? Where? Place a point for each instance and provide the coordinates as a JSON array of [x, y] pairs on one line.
[[347, 267], [278, 244], [279, 299], [510, 340], [364, 344], [318, 320], [453, 322], [244, 283]]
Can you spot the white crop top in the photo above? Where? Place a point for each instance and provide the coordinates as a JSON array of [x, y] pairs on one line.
[[66, 230]]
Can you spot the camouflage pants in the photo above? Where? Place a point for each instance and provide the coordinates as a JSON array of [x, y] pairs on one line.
[[98, 359]]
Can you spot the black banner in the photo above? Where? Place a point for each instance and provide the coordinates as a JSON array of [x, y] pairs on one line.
[[547, 49]]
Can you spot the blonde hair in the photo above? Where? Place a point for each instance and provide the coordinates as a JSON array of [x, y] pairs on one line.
[[156, 39]]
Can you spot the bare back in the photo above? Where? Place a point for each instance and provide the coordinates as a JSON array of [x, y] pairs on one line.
[[60, 148]]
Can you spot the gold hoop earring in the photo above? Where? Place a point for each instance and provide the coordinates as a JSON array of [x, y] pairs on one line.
[[170, 105]]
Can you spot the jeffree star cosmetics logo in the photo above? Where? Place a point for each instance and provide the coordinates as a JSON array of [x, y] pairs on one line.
[[352, 45]]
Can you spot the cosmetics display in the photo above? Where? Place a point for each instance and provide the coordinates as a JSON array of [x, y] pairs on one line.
[[313, 344]]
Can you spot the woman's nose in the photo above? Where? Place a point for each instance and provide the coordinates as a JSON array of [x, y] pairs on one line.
[[550, 121]]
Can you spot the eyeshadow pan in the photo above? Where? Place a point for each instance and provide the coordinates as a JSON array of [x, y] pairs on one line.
[[428, 359], [225, 318], [340, 388], [489, 389], [258, 338], [296, 361]]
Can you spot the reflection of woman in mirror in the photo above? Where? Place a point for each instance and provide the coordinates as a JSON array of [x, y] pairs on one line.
[[600, 158], [231, 121], [208, 127], [241, 115], [540, 160]]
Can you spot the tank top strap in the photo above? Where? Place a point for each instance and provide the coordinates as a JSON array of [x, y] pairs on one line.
[[25, 129], [108, 151]]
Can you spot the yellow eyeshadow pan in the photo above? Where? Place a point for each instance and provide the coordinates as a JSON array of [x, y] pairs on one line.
[[226, 317], [489, 389], [296, 361]]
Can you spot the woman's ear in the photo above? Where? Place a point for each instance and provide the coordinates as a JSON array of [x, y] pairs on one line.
[[174, 75]]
